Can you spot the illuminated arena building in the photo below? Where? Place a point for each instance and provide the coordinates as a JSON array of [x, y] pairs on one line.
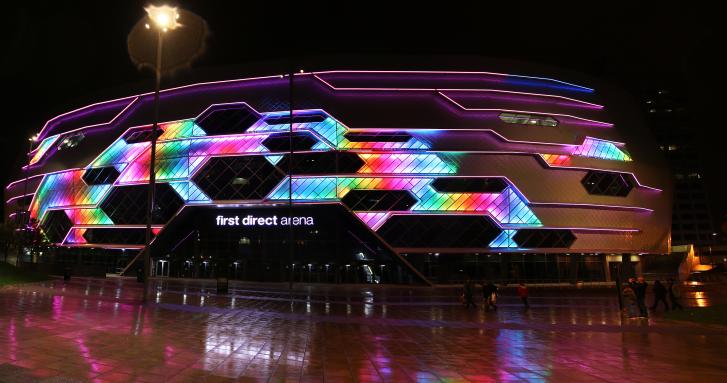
[[397, 177]]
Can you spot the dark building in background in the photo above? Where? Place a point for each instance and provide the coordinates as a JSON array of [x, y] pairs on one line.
[[671, 121]]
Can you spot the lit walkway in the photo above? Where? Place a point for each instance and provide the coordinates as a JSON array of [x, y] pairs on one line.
[[95, 330]]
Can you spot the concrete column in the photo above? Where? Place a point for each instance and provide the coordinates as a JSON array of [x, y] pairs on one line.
[[606, 268], [627, 269], [574, 262]]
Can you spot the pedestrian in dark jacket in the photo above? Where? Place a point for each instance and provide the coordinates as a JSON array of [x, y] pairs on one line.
[[489, 295], [639, 288], [522, 292], [630, 300], [675, 293], [469, 292], [659, 296]]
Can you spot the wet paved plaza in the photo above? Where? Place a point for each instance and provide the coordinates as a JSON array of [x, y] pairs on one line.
[[96, 330]]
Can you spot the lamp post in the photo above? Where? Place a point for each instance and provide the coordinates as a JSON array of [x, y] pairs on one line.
[[25, 205], [163, 19]]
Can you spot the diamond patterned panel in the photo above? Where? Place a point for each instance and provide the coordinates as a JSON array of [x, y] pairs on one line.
[[237, 178], [322, 163], [280, 142], [98, 176], [379, 200], [227, 119], [115, 236], [469, 185], [56, 225], [607, 183], [127, 205], [439, 231], [544, 238]]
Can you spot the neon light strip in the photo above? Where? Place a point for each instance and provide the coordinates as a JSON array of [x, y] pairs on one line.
[[92, 106], [43, 148], [585, 103], [583, 88], [599, 123], [18, 197], [589, 206]]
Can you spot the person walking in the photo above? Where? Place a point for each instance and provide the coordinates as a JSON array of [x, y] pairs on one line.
[[469, 292], [522, 292], [675, 293], [630, 300], [489, 295], [640, 287], [659, 296]]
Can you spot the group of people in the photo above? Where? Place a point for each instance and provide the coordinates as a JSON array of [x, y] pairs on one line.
[[489, 294], [634, 294]]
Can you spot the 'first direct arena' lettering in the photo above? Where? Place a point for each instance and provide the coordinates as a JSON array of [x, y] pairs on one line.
[[264, 221]]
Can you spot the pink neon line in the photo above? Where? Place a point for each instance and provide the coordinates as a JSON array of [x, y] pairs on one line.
[[602, 170], [520, 93], [589, 205], [17, 197], [451, 72], [163, 91], [608, 124], [41, 134]]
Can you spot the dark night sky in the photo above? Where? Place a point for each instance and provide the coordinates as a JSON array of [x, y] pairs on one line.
[[59, 56]]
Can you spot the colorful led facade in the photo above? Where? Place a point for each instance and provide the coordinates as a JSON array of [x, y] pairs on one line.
[[389, 147]]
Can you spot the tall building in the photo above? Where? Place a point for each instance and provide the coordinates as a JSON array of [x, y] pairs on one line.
[[670, 120], [380, 176]]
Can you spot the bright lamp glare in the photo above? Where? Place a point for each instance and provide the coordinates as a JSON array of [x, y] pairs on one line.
[[163, 17]]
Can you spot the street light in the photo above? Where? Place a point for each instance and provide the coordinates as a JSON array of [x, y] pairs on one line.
[[162, 18], [25, 217]]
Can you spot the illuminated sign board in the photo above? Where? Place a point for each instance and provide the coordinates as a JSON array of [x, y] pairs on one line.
[[269, 220]]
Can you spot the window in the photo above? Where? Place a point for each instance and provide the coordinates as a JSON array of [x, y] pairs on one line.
[[607, 183], [71, 141], [528, 119]]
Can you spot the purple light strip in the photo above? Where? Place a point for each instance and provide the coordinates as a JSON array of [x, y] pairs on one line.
[[599, 123], [542, 95], [450, 72], [590, 206], [17, 197], [98, 105]]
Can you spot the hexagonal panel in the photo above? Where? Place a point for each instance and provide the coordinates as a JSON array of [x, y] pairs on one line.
[[470, 184], [143, 134], [280, 142], [100, 176], [116, 236], [56, 225], [607, 183], [227, 119], [377, 136], [439, 231], [127, 205], [297, 119], [379, 200], [544, 238], [322, 163], [237, 178]]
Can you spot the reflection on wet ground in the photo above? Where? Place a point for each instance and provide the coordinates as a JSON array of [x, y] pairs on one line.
[[96, 330]]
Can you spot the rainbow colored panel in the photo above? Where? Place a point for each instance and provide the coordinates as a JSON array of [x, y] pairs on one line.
[[66, 190], [606, 150], [556, 159], [92, 216], [184, 148], [43, 148], [333, 132], [405, 163], [507, 207]]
